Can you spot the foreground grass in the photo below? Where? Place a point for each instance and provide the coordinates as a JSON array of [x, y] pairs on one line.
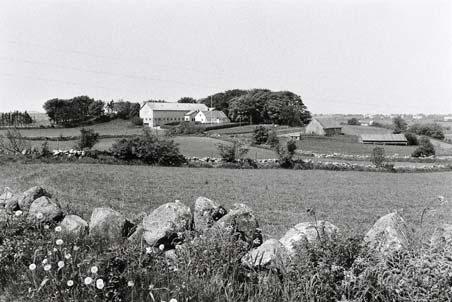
[[351, 200]]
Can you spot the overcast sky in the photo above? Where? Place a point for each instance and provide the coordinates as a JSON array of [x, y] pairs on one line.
[[340, 56]]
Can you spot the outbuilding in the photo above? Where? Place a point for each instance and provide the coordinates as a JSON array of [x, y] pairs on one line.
[[323, 126], [384, 139]]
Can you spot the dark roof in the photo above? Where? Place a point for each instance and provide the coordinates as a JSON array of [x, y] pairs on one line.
[[384, 137], [327, 123]]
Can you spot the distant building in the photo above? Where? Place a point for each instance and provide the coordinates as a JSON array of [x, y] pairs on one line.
[[211, 117], [383, 139], [448, 118], [157, 114], [323, 126], [293, 135], [190, 116], [418, 116]]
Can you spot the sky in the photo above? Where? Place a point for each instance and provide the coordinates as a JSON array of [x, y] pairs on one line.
[[340, 56]]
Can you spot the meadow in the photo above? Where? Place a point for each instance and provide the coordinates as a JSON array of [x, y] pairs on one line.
[[351, 200]]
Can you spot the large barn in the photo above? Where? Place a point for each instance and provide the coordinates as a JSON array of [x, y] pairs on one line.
[[156, 114], [323, 126], [384, 139]]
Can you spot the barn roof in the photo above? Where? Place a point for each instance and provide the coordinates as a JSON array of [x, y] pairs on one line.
[[214, 114], [384, 137], [175, 106], [328, 123]]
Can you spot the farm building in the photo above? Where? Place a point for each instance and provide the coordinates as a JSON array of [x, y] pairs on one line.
[[323, 126], [384, 139], [190, 116], [157, 114], [294, 135], [211, 117]]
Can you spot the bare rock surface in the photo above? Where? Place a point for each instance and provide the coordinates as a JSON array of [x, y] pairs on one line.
[[5, 197], [74, 225], [163, 225], [44, 209], [205, 213], [107, 223], [389, 234], [25, 199], [307, 232], [271, 254]]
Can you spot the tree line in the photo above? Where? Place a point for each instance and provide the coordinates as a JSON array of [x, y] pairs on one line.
[[15, 118]]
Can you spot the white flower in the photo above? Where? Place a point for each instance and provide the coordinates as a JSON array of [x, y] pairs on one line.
[[41, 216], [45, 261], [75, 248], [46, 227], [47, 267], [130, 284], [60, 264], [32, 267], [59, 242], [173, 300], [94, 269], [55, 249], [88, 280], [161, 247], [18, 213], [68, 256], [49, 253], [148, 250], [58, 229], [100, 283], [70, 283]]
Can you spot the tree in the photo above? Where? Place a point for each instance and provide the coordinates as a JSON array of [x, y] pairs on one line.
[[260, 135], [286, 154], [187, 100], [433, 130], [399, 124], [353, 121], [411, 138], [221, 101], [96, 108], [88, 138], [232, 152], [425, 148], [378, 156]]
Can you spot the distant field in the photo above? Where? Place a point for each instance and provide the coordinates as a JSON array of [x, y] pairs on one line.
[[352, 200], [357, 130]]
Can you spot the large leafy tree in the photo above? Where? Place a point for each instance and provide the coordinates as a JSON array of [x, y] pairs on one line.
[[187, 100], [400, 125], [71, 112], [220, 101]]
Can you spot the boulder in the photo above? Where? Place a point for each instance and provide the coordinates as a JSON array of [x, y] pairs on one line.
[[74, 225], [137, 235], [25, 199], [44, 209], [306, 232], [164, 223], [442, 236], [270, 255], [240, 220], [5, 197], [205, 213], [108, 223], [389, 234]]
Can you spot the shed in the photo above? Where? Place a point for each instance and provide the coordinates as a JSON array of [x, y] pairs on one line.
[[323, 126], [384, 139]]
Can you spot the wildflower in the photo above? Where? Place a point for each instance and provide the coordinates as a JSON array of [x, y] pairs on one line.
[[40, 216], [68, 256], [45, 261], [18, 213], [94, 269], [49, 253], [148, 250], [161, 247], [47, 267], [46, 227], [55, 249], [75, 248], [58, 229], [173, 300], [130, 284], [60, 264], [177, 201], [88, 280], [70, 283], [59, 242], [100, 283], [32, 267], [151, 286]]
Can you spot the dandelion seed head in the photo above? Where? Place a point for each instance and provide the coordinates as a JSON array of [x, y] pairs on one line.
[[59, 242], [100, 283], [41, 216], [18, 213], [130, 284], [94, 269], [58, 229], [60, 264], [32, 267], [47, 267], [88, 280], [70, 283]]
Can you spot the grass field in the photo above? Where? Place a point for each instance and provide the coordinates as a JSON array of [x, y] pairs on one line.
[[352, 200]]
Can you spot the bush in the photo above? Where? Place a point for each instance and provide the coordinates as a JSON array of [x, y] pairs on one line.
[[425, 148], [400, 125], [260, 135], [378, 156], [432, 130], [411, 138], [185, 128], [272, 139], [286, 154], [137, 121], [14, 142], [88, 138], [149, 149], [232, 152], [353, 121]]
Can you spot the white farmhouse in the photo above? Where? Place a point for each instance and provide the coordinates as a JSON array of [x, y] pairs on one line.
[[211, 117], [156, 114]]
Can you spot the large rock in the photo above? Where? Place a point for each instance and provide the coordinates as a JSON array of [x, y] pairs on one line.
[[44, 209], [108, 223], [307, 232], [5, 197], [164, 223], [205, 213], [270, 255], [74, 225], [240, 220], [389, 234], [442, 236], [25, 199]]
